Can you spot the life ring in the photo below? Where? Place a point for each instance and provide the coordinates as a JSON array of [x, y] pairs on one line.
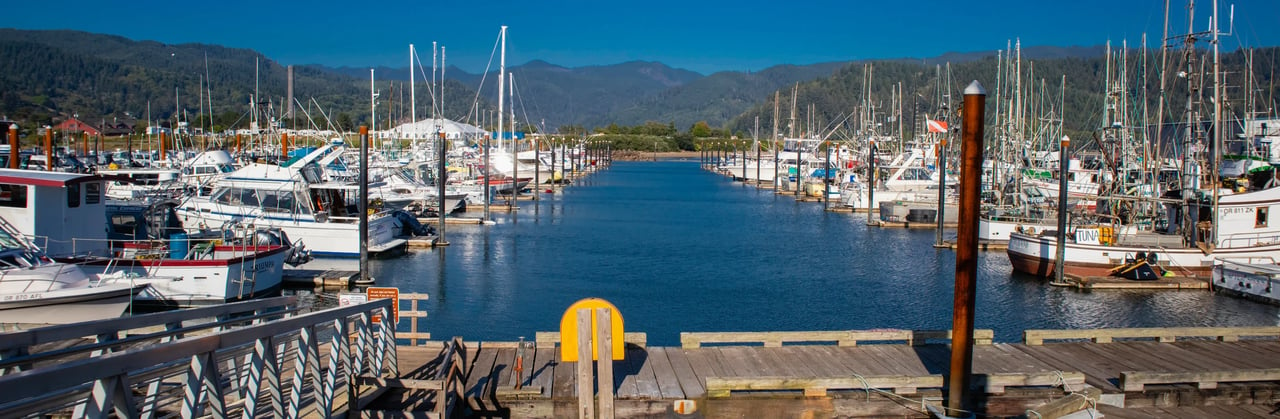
[[1018, 228], [1031, 231]]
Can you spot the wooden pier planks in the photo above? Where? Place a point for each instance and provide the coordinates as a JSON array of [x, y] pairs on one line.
[[665, 373], [670, 373]]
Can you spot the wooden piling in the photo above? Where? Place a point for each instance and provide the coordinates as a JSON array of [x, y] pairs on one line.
[[48, 149], [967, 248]]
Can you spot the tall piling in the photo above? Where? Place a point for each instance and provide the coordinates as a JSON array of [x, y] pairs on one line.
[[966, 249], [363, 203], [48, 149], [13, 146]]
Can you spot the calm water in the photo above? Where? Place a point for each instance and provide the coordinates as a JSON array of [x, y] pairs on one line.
[[679, 249]]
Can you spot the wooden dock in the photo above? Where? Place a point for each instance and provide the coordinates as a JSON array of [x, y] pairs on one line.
[[908, 224], [982, 245], [1117, 283], [885, 373], [271, 360], [321, 277], [451, 220]]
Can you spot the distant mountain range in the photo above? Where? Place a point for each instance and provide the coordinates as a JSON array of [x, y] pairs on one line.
[[49, 75]]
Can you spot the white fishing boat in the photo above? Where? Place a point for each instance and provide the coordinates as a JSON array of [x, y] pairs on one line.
[[138, 183], [1243, 231], [36, 289], [143, 241], [296, 200], [908, 180]]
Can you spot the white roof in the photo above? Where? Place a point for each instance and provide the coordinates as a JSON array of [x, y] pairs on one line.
[[427, 127]]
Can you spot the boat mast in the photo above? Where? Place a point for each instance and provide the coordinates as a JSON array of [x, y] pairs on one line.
[[1217, 121], [413, 103]]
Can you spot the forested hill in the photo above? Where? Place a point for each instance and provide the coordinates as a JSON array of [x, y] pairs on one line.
[[1070, 84], [47, 75]]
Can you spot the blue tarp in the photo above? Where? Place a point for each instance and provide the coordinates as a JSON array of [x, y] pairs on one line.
[[506, 135]]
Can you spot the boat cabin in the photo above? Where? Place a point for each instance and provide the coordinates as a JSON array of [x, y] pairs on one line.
[[62, 211]]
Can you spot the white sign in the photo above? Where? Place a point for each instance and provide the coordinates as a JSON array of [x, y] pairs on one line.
[[1087, 236], [352, 299]]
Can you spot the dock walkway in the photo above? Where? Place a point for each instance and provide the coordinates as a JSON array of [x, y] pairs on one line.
[[265, 358], [1133, 368]]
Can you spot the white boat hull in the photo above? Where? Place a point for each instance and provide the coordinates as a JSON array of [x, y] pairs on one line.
[[225, 276], [68, 305]]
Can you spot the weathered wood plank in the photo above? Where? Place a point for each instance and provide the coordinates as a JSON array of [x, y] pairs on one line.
[[690, 383], [818, 361], [646, 379], [718, 386], [544, 370], [562, 379], [552, 339], [665, 373], [736, 361], [704, 362], [856, 360], [1233, 356], [881, 362], [1020, 360], [624, 374], [584, 379], [503, 367], [1053, 357], [907, 358], [1039, 336], [480, 372], [1137, 380]]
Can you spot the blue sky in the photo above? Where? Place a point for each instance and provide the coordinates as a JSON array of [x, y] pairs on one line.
[[704, 36]]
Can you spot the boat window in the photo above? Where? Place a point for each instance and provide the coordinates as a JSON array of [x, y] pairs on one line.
[[13, 196], [221, 196], [1261, 220], [248, 197], [73, 195], [92, 193], [123, 224]]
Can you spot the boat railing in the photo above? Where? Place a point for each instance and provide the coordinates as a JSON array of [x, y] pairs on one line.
[[1238, 240]]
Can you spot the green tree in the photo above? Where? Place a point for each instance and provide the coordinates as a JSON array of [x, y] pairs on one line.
[[700, 129], [344, 122]]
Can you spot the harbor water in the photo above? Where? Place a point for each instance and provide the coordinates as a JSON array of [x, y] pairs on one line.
[[678, 249]]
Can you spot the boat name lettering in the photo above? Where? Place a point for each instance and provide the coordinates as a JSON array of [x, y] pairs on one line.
[[1236, 210], [23, 297]]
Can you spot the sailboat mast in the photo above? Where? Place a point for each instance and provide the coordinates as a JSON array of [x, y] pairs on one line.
[[413, 103], [502, 78], [434, 63], [773, 142], [1188, 172], [1217, 123]]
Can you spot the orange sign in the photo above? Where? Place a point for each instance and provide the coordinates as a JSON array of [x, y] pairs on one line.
[[392, 293]]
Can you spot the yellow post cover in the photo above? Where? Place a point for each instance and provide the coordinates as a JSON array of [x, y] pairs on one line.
[[569, 330]]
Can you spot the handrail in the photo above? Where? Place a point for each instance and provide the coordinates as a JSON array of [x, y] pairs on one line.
[[10, 341], [109, 340], [109, 374]]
